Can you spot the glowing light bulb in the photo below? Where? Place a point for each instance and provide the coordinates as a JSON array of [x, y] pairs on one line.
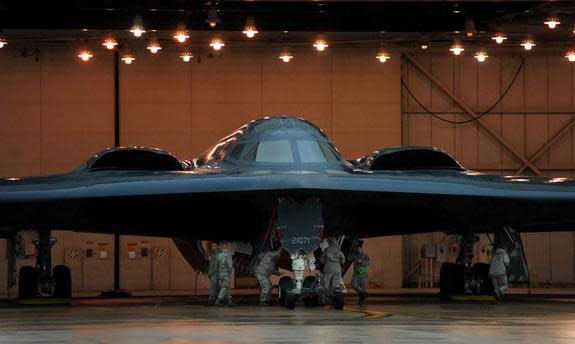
[[481, 56], [286, 55], [499, 37], [424, 46], [3, 42], [528, 44], [456, 47], [186, 56], [181, 34], [110, 43], [85, 55], [552, 22], [570, 55], [383, 55], [213, 19], [320, 43], [250, 30], [217, 43], [154, 45], [128, 58], [138, 28]]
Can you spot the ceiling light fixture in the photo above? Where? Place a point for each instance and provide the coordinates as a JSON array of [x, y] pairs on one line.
[[250, 30], [128, 58], [383, 55], [552, 22], [570, 55], [110, 43], [286, 55], [320, 43], [154, 45], [470, 27], [213, 19], [499, 37], [181, 34], [481, 56], [138, 27], [85, 55], [456, 47], [217, 43], [186, 55], [3, 42], [528, 43]]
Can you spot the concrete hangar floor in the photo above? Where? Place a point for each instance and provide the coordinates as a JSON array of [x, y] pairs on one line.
[[385, 319]]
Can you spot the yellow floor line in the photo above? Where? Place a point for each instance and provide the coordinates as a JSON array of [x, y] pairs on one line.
[[369, 313]]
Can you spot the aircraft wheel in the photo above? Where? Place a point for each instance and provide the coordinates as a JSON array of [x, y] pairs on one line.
[[285, 284], [311, 299], [338, 299], [62, 282], [27, 283], [451, 280], [290, 300], [447, 281], [481, 272]]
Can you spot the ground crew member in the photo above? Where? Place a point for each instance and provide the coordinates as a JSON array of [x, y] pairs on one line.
[[265, 268], [360, 261], [225, 266], [213, 287], [498, 271], [332, 258]]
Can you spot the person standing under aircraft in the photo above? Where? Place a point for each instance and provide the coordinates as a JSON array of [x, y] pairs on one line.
[[213, 286], [265, 268], [332, 259], [225, 266], [360, 261], [498, 271]]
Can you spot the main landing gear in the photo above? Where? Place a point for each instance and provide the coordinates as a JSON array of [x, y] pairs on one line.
[[463, 277], [42, 281]]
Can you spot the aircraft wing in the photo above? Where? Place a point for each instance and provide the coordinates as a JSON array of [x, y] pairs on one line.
[[238, 205]]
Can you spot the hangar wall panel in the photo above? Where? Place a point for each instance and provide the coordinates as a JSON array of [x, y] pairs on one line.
[[55, 112], [538, 105]]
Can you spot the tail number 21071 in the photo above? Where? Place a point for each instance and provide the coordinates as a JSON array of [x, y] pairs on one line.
[[301, 240]]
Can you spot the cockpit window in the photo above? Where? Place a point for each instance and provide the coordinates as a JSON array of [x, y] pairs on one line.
[[310, 151], [274, 151]]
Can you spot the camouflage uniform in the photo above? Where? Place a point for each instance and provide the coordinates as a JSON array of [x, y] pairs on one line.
[[225, 266], [265, 268]]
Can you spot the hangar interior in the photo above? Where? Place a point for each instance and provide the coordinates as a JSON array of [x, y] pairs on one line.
[[56, 111]]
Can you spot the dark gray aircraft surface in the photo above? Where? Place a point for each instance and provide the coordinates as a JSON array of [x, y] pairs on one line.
[[280, 180]]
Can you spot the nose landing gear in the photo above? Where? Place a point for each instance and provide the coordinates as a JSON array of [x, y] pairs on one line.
[[42, 281]]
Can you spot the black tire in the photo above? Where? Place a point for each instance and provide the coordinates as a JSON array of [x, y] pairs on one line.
[[446, 281], [310, 299], [62, 282], [338, 299], [290, 300], [285, 284], [481, 272], [27, 283]]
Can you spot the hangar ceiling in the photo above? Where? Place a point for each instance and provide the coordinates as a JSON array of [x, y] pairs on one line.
[[432, 20]]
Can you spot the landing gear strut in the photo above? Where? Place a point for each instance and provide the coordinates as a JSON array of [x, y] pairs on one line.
[[42, 280]]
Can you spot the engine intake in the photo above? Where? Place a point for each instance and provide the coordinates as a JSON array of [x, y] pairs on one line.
[[134, 158], [408, 158]]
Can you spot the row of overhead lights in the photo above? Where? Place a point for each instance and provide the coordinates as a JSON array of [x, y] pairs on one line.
[[481, 55], [552, 22], [181, 35]]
